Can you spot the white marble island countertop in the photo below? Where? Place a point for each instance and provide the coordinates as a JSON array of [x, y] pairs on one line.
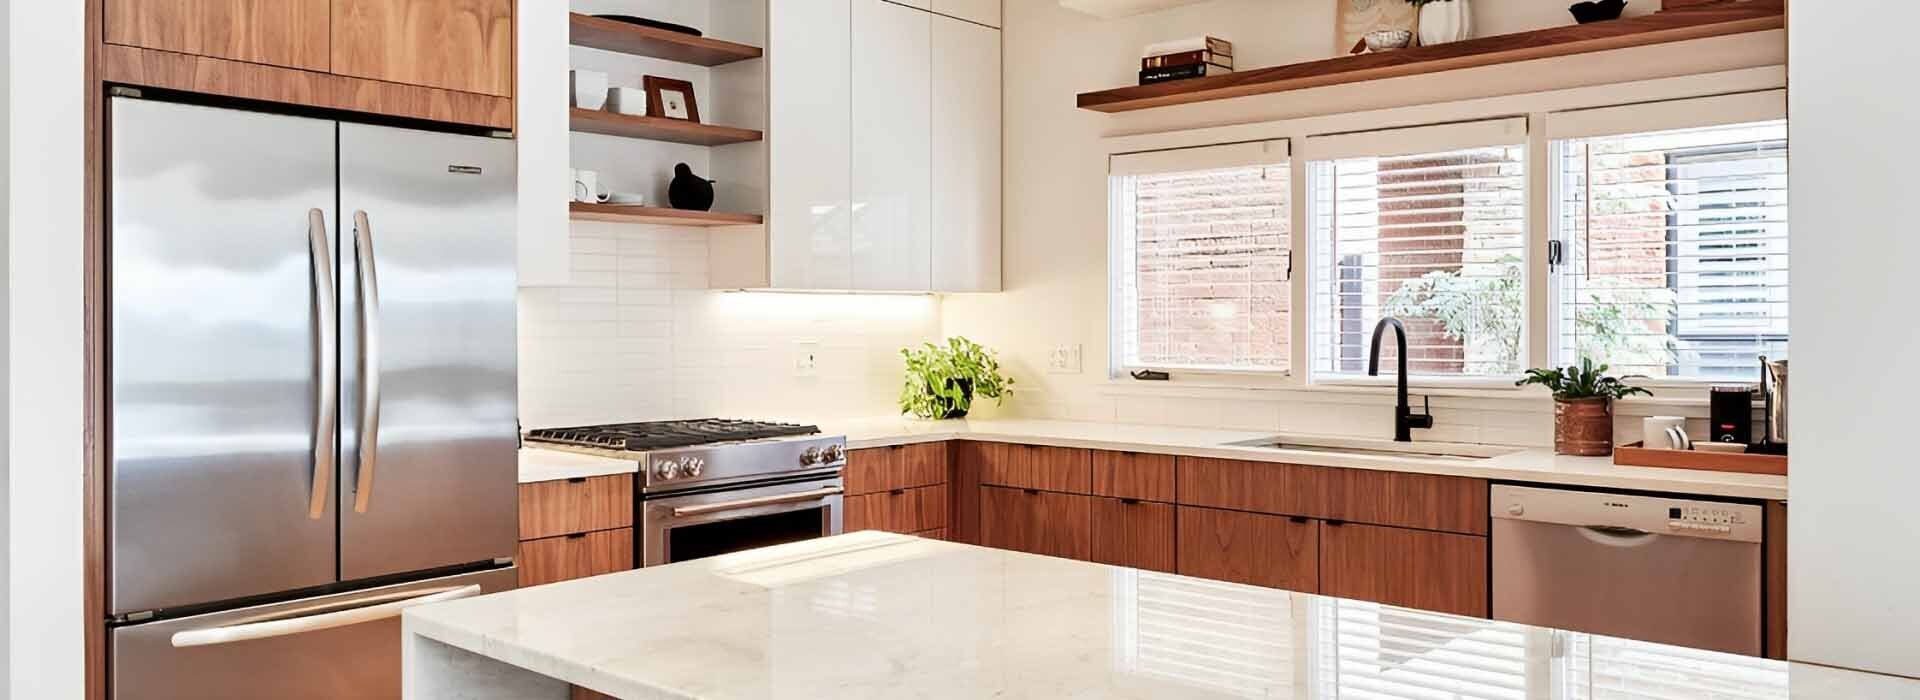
[[875, 615], [1532, 465]]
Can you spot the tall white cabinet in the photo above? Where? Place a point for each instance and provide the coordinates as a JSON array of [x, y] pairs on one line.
[[883, 150]]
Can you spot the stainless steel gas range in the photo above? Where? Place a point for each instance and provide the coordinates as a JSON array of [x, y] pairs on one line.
[[713, 486]]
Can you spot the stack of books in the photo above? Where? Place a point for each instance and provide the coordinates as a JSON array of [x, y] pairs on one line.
[[1181, 59]]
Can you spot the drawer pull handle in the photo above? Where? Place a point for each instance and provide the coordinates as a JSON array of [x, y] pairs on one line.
[[1032, 492], [1335, 523], [1130, 501], [1298, 518], [898, 492], [576, 535], [577, 480]]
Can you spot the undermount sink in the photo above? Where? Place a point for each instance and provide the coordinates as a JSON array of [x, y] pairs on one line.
[[1380, 448]]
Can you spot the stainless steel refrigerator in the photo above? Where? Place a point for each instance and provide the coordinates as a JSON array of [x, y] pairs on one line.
[[312, 407]]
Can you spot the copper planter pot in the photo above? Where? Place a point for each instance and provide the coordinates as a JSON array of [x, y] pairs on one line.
[[1583, 427]]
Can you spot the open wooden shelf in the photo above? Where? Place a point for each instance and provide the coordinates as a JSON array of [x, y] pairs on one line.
[[1693, 22], [610, 35], [658, 128], [624, 214]]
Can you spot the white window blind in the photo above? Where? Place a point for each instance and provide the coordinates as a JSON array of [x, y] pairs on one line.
[[1235, 640], [1436, 238], [1202, 258], [1674, 255], [1366, 650], [1607, 668]]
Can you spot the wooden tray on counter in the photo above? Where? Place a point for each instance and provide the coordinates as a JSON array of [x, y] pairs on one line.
[[1635, 455]]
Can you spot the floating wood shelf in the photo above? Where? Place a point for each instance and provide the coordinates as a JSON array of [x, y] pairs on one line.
[[624, 214], [1693, 22], [611, 35], [659, 128]]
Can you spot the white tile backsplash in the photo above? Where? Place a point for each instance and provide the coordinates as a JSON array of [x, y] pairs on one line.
[[638, 336]]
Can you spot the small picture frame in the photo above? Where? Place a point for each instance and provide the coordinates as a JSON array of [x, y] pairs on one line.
[[670, 99]]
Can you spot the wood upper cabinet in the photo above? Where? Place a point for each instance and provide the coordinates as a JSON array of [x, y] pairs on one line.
[[1280, 489], [1411, 568], [288, 33], [1276, 551], [1424, 501], [464, 45], [1036, 522], [1062, 469], [1146, 477], [1133, 533]]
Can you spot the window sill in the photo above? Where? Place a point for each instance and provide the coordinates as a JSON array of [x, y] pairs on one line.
[[1458, 396]]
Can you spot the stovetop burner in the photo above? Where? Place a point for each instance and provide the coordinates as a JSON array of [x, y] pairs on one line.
[[660, 435]]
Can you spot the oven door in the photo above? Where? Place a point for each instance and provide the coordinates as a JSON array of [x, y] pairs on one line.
[[679, 527]]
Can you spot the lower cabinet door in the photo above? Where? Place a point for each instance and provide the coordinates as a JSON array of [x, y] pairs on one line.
[[575, 556], [1276, 551], [1036, 522], [1436, 571], [1133, 533]]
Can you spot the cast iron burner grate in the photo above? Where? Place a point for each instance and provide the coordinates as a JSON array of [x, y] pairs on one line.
[[660, 435]]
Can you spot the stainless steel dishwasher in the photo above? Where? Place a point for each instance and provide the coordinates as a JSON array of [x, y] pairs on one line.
[[1659, 569]]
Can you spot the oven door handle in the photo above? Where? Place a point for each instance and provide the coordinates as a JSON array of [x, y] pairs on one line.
[[814, 495]]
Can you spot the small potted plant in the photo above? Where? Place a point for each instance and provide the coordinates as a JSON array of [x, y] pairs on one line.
[[942, 380], [1582, 405]]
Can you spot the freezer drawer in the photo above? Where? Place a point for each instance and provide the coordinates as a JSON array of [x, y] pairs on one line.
[[353, 661]]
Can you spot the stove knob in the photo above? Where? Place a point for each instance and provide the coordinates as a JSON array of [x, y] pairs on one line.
[[811, 456], [833, 453], [665, 469], [692, 466]]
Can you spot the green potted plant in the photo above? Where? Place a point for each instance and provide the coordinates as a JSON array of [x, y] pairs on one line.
[[1583, 405], [943, 380]]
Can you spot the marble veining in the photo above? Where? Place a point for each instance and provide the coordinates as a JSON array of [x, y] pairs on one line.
[[876, 615]]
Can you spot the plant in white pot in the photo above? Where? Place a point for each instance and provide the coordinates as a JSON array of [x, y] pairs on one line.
[[1443, 21], [943, 380], [1583, 405]]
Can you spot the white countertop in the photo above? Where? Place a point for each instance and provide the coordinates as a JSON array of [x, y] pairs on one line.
[[876, 615], [1537, 465]]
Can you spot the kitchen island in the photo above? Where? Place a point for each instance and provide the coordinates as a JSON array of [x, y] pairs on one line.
[[873, 615]]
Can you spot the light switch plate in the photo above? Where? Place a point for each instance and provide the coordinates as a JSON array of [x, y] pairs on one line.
[[806, 357], [1064, 359]]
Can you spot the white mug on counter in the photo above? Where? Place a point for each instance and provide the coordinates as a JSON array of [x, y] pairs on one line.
[[587, 189], [1665, 433]]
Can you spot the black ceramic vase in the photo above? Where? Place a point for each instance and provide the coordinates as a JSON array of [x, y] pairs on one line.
[[1597, 10], [689, 191]]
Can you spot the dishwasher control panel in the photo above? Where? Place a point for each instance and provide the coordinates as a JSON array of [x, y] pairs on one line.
[[1628, 513]]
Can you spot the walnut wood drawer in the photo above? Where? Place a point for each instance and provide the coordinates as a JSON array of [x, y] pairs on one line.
[[1261, 487], [1059, 469], [1421, 501], [570, 506], [1140, 476], [879, 469], [905, 511], [574, 556]]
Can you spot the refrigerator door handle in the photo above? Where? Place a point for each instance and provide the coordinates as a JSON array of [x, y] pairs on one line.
[[326, 350], [369, 280], [313, 623]]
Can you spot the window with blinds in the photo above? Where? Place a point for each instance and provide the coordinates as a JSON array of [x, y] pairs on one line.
[[1428, 226], [1607, 668], [1675, 250], [1227, 638], [1202, 258], [1367, 650]]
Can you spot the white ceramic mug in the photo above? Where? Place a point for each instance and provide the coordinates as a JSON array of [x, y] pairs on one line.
[[589, 88], [587, 189], [1653, 431]]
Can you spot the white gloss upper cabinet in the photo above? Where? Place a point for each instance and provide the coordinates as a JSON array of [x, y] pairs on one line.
[[966, 156], [892, 147], [985, 12], [810, 144]]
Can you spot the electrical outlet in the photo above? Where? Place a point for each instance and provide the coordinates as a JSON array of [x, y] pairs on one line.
[[806, 357], [1064, 359]]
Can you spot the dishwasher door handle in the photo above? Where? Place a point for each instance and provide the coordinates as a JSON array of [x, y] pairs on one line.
[[1615, 536]]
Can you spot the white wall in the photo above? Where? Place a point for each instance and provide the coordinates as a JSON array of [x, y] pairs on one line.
[[45, 400], [1055, 183], [1855, 577], [638, 336], [6, 379]]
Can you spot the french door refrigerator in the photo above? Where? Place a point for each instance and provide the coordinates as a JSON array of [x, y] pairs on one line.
[[312, 395]]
